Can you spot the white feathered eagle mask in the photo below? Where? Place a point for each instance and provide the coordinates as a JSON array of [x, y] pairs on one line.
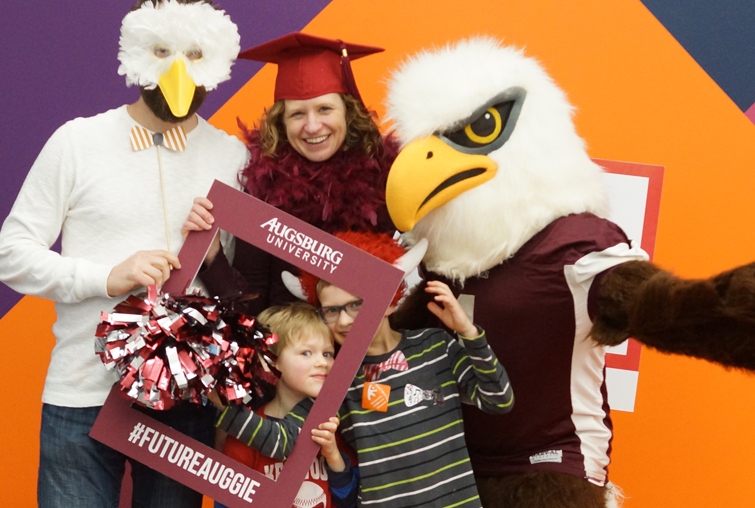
[[177, 47]]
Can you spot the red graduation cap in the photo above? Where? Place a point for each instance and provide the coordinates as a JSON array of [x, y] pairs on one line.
[[310, 66]]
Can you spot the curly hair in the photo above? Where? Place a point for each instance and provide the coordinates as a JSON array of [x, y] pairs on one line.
[[361, 127]]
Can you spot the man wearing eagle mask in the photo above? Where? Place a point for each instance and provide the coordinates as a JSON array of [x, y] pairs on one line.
[[494, 175], [117, 187]]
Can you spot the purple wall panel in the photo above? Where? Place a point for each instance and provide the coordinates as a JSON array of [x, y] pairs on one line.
[[59, 62]]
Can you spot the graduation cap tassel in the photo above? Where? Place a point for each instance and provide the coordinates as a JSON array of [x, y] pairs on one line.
[[348, 76]]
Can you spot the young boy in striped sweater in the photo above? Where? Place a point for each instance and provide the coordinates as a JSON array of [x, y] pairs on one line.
[[402, 413]]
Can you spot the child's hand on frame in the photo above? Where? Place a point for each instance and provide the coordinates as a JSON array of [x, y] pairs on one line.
[[451, 313], [325, 436]]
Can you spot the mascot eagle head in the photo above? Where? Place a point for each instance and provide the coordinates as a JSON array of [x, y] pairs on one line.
[[490, 155]]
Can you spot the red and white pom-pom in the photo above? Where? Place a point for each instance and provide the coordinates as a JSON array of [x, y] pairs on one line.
[[170, 348]]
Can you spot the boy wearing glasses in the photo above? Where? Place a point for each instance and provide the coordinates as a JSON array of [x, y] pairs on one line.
[[402, 413]]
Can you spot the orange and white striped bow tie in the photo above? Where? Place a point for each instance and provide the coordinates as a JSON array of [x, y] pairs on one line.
[[173, 139]]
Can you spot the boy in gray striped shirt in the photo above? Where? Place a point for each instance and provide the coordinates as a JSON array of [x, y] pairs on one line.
[[402, 413]]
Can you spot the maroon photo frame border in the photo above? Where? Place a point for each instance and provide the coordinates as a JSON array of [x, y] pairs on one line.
[[359, 273]]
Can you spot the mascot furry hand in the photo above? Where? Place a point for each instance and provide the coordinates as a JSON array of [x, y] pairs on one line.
[[495, 177]]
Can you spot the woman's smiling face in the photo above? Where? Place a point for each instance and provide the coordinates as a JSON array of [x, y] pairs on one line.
[[316, 128]]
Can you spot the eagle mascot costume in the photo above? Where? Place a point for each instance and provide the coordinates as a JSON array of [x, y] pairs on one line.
[[493, 174]]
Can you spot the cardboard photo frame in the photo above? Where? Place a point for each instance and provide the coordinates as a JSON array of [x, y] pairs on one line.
[[204, 469]]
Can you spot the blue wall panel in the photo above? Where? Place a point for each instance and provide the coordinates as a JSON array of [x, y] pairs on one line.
[[720, 36]]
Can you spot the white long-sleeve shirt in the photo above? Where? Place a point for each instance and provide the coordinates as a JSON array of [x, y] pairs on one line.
[[105, 199]]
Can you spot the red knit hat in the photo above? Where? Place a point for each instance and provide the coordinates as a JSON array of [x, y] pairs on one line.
[[379, 245], [310, 66]]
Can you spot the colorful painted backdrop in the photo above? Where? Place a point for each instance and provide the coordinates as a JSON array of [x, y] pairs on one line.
[[659, 82]]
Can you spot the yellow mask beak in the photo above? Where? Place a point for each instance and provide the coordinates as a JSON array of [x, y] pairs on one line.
[[177, 88], [428, 174]]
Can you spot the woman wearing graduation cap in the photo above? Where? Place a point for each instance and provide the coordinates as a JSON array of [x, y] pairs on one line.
[[316, 154]]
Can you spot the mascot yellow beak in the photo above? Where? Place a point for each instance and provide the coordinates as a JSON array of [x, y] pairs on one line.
[[177, 88], [427, 174]]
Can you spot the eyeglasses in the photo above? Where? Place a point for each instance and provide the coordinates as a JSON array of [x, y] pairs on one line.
[[332, 313]]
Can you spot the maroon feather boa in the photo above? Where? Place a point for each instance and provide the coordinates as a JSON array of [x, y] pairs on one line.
[[345, 192]]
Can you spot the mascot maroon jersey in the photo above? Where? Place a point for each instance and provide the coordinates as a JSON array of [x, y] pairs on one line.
[[560, 419]]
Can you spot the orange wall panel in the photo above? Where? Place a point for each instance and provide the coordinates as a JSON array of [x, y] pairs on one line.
[[639, 97], [26, 333]]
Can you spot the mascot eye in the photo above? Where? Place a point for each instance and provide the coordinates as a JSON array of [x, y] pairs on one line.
[[483, 130], [486, 128]]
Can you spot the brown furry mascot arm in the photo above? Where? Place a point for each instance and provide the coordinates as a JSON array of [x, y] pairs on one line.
[[713, 319]]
